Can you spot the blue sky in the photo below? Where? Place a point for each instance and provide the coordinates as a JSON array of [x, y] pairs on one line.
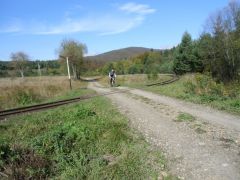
[[37, 27]]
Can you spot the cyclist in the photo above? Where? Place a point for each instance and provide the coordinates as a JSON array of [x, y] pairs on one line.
[[112, 75]]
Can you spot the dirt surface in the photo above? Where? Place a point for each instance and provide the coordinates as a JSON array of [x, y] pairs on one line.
[[207, 147]]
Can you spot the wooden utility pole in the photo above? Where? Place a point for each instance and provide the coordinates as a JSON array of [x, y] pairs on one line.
[[39, 70], [69, 76]]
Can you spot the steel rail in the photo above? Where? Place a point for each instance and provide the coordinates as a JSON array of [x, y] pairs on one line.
[[175, 78], [21, 110]]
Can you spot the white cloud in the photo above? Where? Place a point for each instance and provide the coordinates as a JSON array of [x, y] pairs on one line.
[[142, 9], [106, 24]]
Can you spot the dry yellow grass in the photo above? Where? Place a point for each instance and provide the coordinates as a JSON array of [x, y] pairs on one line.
[[18, 91]]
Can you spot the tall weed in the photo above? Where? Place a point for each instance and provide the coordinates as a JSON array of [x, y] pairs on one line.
[[204, 85]]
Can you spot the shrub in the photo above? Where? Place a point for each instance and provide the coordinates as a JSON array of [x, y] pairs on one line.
[[21, 95], [25, 96], [204, 85], [166, 67], [152, 75], [235, 104], [189, 87], [22, 163]]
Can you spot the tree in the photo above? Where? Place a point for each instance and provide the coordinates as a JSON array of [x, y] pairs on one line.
[[74, 50], [223, 48], [20, 61], [184, 56], [107, 68], [206, 52], [197, 62], [119, 67]]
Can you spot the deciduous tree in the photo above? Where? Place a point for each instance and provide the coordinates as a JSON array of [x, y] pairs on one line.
[[19, 62], [74, 50]]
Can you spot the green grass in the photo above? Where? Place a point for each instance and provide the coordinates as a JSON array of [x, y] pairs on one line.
[[185, 117], [72, 94], [87, 140]]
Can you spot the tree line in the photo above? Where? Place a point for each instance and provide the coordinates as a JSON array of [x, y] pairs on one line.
[[21, 65], [217, 51], [151, 62], [29, 68]]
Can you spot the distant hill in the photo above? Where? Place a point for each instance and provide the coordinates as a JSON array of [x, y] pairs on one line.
[[120, 54]]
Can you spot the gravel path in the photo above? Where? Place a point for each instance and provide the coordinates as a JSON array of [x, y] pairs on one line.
[[206, 148]]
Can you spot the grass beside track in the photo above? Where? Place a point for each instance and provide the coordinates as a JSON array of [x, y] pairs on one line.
[[180, 91], [87, 140], [33, 90]]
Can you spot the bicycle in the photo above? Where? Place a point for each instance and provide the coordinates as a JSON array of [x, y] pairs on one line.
[[112, 81]]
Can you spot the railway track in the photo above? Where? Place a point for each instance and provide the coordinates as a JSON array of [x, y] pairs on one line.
[[39, 107], [174, 78]]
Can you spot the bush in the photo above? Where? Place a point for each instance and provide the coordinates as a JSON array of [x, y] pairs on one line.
[[166, 67], [22, 163], [190, 87], [204, 85], [22, 95], [235, 104], [135, 69]]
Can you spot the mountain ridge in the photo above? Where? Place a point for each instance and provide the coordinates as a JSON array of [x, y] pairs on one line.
[[120, 54]]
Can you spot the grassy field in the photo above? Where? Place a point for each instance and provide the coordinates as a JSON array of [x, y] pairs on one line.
[[195, 88], [31, 90], [88, 140]]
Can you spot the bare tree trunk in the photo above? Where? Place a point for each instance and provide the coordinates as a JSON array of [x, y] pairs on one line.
[[22, 75], [78, 74], [74, 71]]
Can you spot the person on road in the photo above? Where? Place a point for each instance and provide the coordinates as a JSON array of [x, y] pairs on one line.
[[112, 76]]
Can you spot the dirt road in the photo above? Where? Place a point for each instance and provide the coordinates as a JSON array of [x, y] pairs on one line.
[[206, 148]]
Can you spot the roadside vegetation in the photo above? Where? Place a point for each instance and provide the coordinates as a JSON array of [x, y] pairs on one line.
[[203, 89], [197, 88], [18, 92], [87, 140]]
